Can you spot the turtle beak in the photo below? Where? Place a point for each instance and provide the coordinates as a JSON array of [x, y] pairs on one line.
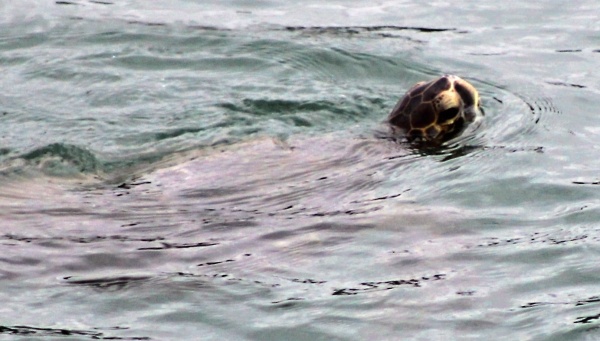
[[472, 113]]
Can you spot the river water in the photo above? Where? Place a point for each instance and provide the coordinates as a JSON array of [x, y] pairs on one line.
[[195, 170]]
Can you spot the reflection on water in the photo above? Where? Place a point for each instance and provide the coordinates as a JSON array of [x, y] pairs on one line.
[[178, 175]]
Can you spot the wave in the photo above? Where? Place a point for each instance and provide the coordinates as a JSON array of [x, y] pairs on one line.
[[56, 159]]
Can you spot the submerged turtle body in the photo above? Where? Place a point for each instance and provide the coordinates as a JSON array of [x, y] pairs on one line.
[[436, 111]]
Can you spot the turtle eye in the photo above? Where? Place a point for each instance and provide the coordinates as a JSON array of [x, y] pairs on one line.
[[448, 115]]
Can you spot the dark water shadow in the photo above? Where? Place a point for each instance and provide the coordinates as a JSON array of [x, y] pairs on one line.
[[53, 333], [109, 284]]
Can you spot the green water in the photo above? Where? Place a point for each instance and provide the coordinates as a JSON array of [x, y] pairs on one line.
[[215, 170]]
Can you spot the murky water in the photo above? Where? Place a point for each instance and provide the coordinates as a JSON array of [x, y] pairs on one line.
[[215, 170]]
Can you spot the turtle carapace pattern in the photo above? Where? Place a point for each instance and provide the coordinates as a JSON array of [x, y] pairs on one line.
[[436, 111]]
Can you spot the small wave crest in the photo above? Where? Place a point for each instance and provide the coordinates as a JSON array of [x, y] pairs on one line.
[[56, 159]]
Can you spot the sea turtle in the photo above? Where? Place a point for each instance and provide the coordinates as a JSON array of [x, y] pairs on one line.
[[436, 111]]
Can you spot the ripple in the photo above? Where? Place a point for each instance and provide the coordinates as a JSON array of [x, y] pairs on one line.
[[176, 172], [93, 334], [109, 284]]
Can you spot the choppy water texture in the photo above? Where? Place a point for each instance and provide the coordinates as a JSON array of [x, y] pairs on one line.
[[187, 170]]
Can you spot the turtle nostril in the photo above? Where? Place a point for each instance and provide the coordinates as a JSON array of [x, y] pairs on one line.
[[448, 115]]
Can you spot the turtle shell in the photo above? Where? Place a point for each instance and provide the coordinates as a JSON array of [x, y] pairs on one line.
[[436, 110]]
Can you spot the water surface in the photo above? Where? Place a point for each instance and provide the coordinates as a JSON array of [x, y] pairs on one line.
[[215, 170]]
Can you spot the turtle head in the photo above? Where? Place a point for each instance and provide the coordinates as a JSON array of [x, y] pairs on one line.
[[469, 98], [436, 111], [456, 108]]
